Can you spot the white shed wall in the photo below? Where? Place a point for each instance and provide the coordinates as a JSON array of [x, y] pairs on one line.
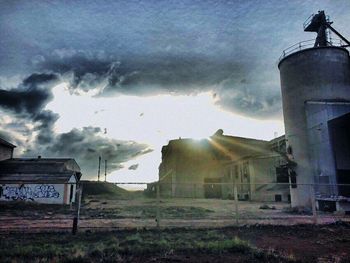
[[40, 193]]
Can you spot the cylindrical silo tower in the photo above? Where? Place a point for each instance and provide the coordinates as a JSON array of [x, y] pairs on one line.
[[317, 75]]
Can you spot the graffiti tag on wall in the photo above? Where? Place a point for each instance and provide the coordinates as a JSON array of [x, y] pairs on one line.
[[29, 193]]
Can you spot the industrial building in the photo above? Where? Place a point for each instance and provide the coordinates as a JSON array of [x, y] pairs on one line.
[[210, 168], [41, 180], [315, 84]]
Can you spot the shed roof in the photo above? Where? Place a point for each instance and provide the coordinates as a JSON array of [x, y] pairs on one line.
[[39, 170], [36, 178], [6, 143]]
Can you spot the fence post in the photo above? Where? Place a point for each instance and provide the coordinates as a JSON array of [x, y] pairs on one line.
[[236, 201], [313, 204], [77, 217], [158, 208]]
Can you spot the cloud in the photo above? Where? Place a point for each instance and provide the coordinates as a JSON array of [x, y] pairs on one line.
[[86, 145], [133, 167], [32, 128], [25, 104], [45, 120], [179, 47], [259, 100], [231, 80], [31, 96]]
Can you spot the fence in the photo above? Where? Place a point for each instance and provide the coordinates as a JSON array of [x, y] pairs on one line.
[[309, 44], [193, 205], [245, 203]]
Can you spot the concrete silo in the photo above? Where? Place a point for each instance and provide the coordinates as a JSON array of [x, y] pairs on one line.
[[315, 84]]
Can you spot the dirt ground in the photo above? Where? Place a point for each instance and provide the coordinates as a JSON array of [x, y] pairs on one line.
[[102, 214], [191, 230]]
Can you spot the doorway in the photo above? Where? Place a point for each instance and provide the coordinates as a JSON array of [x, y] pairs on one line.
[[71, 192], [212, 188], [339, 130]]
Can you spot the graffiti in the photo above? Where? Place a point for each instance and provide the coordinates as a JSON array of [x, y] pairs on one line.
[[45, 191], [18, 193], [28, 193]]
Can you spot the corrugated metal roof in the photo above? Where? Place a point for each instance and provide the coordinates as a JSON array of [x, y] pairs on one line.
[[38, 170]]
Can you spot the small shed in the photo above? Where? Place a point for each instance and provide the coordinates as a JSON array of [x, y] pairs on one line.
[[6, 149], [41, 180]]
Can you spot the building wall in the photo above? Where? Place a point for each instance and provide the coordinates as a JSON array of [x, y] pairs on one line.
[[193, 169], [5, 152], [256, 180], [264, 185], [183, 171], [40, 193]]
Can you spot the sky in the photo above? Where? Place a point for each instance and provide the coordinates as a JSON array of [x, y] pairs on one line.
[[119, 79]]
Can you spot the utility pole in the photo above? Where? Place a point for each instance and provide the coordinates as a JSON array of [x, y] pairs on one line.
[[105, 170], [99, 168]]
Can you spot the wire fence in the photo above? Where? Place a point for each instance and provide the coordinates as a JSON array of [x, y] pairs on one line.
[[186, 204], [244, 203]]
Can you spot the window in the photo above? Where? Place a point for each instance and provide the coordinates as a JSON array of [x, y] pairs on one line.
[[293, 179], [282, 175], [278, 198]]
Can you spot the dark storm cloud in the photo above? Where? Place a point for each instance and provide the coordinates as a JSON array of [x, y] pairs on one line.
[[166, 75], [256, 99], [29, 97], [141, 75], [133, 167], [87, 145], [84, 70], [25, 105], [156, 47], [45, 120]]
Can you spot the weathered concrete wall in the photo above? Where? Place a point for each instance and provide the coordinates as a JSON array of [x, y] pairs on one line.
[[259, 177], [5, 152], [197, 169], [312, 74], [183, 170], [40, 193], [264, 185]]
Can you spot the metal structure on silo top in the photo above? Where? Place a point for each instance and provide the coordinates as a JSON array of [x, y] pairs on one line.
[[315, 84]]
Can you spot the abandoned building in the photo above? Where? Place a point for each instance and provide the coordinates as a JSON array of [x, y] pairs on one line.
[[41, 180], [209, 168], [315, 84]]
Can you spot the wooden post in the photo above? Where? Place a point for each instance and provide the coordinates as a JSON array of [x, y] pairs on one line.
[[77, 217], [235, 193], [99, 168], [105, 170], [158, 208], [232, 180], [313, 204]]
